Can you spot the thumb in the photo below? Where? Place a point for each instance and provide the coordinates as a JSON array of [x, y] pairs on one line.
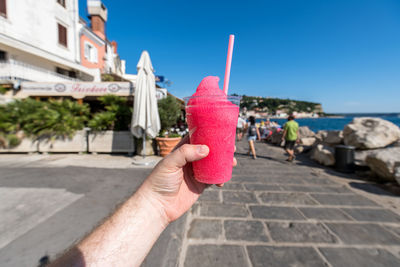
[[184, 154]]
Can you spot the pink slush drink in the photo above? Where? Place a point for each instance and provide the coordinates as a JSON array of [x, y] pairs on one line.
[[212, 120]]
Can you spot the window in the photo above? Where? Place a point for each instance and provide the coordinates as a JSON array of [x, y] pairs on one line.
[[65, 72], [90, 53], [61, 2], [3, 55], [3, 8], [62, 35]]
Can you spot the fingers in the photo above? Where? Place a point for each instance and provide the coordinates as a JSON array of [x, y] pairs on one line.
[[184, 154], [219, 185], [185, 140]]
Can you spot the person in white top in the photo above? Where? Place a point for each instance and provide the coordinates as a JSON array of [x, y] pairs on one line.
[[240, 128]]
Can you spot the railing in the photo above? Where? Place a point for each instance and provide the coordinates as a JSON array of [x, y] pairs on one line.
[[18, 70]]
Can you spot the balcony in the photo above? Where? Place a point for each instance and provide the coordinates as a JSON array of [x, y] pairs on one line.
[[17, 70]]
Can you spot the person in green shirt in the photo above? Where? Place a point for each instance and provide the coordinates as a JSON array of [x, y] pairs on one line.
[[291, 136]]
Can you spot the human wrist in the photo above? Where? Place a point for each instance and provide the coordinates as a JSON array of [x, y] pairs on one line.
[[151, 205]]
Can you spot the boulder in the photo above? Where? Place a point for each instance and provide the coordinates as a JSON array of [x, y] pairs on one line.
[[334, 137], [397, 174], [396, 144], [370, 133], [360, 156], [304, 131], [385, 163], [298, 149], [307, 141], [321, 135], [302, 149], [276, 137], [324, 155]]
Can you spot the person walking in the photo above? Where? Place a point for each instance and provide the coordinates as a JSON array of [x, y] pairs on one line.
[[253, 134], [290, 136], [239, 128]]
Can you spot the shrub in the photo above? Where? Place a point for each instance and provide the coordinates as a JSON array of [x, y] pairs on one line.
[[117, 115], [169, 110], [56, 119], [13, 140]]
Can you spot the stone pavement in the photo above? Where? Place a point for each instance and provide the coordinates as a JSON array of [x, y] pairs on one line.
[[272, 213], [275, 213]]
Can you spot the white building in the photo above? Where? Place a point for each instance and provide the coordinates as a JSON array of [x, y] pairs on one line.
[[39, 41]]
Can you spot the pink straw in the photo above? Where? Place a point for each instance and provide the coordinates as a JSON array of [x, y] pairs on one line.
[[228, 63]]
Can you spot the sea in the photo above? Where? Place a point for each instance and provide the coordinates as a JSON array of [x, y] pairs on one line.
[[338, 122]]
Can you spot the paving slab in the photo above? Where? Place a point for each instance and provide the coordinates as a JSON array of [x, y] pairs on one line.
[[262, 187], [343, 200], [316, 189], [245, 231], [372, 215], [210, 196], [214, 255], [280, 213], [363, 234], [284, 256], [203, 228], [354, 257], [223, 210], [239, 197], [292, 198], [325, 214], [300, 232]]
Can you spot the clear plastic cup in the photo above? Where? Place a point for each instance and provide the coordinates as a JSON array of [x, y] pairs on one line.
[[212, 121]]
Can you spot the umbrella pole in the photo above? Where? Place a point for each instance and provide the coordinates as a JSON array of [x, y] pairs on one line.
[[144, 145]]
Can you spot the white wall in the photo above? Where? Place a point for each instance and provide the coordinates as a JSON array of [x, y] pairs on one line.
[[34, 22]]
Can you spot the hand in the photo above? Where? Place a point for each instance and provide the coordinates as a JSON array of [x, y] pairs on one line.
[[172, 181]]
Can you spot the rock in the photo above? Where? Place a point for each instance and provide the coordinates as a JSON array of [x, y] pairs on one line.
[[321, 135], [334, 137], [397, 174], [385, 163], [304, 131], [302, 149], [307, 141], [276, 137], [370, 133], [396, 144], [360, 156], [299, 149], [324, 155]]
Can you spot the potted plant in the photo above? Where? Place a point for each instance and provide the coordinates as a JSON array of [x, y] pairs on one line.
[[169, 110]]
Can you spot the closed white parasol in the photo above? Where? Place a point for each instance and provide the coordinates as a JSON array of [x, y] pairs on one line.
[[145, 118]]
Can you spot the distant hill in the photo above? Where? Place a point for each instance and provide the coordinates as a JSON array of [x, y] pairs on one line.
[[276, 105]]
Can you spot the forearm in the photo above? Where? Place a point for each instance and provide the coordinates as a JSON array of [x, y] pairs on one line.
[[125, 238]]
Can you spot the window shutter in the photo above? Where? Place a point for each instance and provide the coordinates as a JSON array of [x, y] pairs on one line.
[[87, 51], [62, 35], [3, 7], [95, 58], [61, 2]]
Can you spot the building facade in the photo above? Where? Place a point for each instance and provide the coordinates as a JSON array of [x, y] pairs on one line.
[[96, 50], [39, 41]]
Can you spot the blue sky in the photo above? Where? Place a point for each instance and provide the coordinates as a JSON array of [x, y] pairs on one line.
[[343, 54]]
